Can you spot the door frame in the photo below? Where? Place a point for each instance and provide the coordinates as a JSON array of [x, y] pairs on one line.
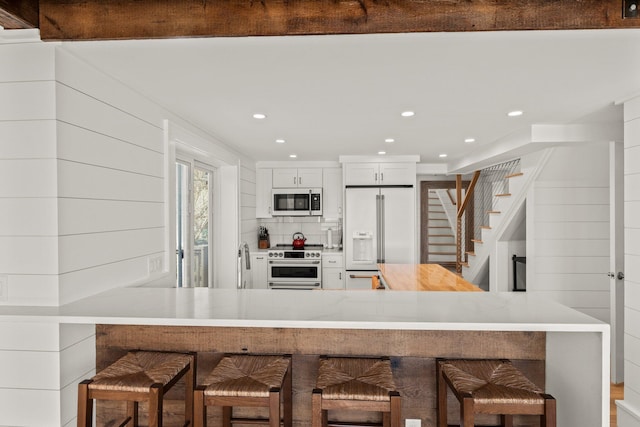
[[425, 186], [616, 259]]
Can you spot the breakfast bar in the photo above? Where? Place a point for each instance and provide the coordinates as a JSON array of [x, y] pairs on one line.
[[423, 277], [561, 350]]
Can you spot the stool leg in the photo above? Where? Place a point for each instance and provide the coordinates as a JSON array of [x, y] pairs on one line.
[[549, 417], [85, 405], [199, 408], [189, 384], [317, 416], [288, 399], [395, 410], [274, 407], [226, 416], [506, 420], [132, 413], [155, 405], [442, 396], [466, 411]]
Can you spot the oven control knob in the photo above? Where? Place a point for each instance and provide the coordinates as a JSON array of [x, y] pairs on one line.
[[280, 254]]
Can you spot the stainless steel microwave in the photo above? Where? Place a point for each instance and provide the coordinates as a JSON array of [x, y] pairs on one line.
[[297, 201]]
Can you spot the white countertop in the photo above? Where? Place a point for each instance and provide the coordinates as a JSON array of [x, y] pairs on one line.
[[510, 311]]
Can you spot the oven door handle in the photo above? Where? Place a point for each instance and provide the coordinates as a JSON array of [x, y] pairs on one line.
[[294, 262], [284, 285]]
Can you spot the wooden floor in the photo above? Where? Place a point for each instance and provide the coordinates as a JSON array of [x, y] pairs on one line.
[[617, 393]]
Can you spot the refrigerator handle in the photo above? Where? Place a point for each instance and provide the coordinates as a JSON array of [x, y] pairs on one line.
[[382, 229], [378, 246]]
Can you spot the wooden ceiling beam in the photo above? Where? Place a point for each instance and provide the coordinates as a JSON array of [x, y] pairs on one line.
[[18, 14], [125, 19]]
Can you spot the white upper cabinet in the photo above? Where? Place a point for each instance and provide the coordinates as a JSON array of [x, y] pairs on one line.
[[297, 177], [401, 173], [332, 193], [263, 193]]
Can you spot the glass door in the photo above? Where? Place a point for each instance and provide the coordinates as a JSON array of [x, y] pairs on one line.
[[194, 211], [202, 218]]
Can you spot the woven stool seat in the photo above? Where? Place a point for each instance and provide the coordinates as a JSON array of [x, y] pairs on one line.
[[139, 376], [137, 371], [250, 376], [491, 387], [359, 384], [247, 380], [355, 378]]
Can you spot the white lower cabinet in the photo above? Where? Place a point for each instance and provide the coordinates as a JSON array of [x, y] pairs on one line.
[[360, 279], [332, 271], [259, 270]]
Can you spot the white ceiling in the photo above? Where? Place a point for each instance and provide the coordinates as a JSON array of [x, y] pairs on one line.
[[343, 95]]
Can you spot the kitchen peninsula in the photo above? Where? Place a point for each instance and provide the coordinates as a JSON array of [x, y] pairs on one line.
[[565, 351], [423, 277]]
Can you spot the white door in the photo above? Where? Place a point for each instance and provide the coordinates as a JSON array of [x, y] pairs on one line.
[[616, 258], [399, 225]]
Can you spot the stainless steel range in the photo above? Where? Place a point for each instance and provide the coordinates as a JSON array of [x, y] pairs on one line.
[[291, 268]]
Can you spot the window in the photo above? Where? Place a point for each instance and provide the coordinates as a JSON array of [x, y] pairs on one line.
[[194, 219]]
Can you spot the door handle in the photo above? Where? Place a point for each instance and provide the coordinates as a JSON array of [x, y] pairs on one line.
[[620, 275]]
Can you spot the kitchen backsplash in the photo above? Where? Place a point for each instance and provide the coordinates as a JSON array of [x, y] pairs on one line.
[[281, 229]]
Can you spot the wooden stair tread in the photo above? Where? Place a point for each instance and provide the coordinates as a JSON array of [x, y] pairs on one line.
[[485, 227], [441, 244], [441, 235], [493, 212], [442, 253], [476, 241], [513, 175], [503, 195], [471, 253], [436, 226]]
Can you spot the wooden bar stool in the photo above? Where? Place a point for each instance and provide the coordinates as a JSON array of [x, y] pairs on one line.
[[491, 387], [137, 377], [359, 384], [247, 380]]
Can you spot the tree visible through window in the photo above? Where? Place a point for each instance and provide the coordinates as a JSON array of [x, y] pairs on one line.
[[193, 224]]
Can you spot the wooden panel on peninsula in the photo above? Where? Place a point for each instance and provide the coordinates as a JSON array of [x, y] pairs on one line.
[[413, 353]]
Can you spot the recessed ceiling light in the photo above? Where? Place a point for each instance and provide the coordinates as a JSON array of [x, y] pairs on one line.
[[408, 114], [469, 140], [382, 152], [293, 156], [443, 155], [389, 140], [515, 113], [280, 141], [259, 116]]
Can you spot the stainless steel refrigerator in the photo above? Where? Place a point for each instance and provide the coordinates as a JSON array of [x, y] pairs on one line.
[[379, 228]]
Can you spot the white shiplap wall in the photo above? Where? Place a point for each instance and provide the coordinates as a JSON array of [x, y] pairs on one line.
[[82, 187], [568, 219], [629, 409]]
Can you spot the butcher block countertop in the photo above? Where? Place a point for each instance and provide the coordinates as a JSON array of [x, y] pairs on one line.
[[423, 277]]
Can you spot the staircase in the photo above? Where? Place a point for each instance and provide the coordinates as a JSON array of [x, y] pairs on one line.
[[499, 201], [441, 248]]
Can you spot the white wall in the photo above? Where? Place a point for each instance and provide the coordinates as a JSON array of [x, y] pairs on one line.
[[83, 178], [629, 409], [568, 229]]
